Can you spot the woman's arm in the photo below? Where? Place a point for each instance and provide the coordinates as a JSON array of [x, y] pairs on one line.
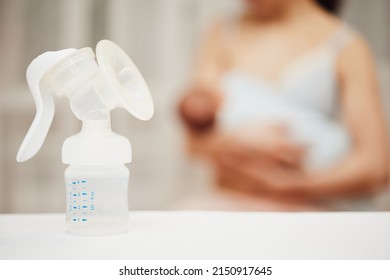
[[207, 70], [367, 166], [211, 59]]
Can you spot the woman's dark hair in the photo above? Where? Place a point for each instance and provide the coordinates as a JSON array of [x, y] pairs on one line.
[[332, 6]]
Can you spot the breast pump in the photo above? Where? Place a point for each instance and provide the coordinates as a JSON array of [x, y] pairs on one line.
[[96, 179]]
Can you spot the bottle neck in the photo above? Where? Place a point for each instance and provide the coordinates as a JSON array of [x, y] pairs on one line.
[[96, 126]]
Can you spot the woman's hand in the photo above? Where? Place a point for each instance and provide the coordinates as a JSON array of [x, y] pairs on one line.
[[260, 176], [260, 160], [269, 143]]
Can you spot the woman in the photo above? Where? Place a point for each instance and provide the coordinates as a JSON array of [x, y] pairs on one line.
[[285, 104]]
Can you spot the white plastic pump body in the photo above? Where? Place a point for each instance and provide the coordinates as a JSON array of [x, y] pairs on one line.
[[96, 179]]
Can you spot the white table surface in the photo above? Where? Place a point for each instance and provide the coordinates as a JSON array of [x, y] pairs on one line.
[[204, 235]]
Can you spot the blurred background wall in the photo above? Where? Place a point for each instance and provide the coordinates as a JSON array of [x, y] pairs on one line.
[[161, 37]]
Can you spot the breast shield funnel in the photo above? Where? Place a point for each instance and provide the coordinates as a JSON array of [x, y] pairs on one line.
[[96, 179]]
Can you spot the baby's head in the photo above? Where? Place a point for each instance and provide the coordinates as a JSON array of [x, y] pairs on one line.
[[268, 9], [198, 109]]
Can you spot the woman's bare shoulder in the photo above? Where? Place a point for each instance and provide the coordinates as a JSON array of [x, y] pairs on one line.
[[215, 31], [356, 53], [356, 66]]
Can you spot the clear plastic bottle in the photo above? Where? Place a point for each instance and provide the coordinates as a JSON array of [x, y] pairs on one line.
[[96, 199]]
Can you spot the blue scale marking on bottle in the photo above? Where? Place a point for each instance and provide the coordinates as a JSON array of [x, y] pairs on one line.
[[80, 201]]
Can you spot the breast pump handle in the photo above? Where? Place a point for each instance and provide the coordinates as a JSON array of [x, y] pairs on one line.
[[44, 103]]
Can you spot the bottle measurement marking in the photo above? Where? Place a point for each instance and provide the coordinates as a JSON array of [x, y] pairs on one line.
[[79, 182], [82, 199]]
